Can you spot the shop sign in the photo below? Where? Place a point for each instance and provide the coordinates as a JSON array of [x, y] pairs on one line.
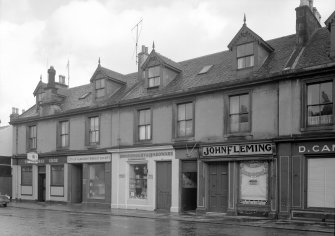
[[317, 148], [52, 160], [32, 158], [89, 158], [237, 149], [143, 155]]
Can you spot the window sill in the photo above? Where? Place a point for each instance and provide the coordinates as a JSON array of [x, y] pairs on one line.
[[185, 139], [92, 146], [245, 68], [318, 128], [153, 88], [63, 148], [237, 135], [149, 141]]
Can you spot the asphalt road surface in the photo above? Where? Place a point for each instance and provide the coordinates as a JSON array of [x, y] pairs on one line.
[[18, 221]]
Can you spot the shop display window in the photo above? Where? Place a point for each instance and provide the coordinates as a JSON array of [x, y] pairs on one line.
[[57, 175], [254, 183], [97, 181], [26, 176], [138, 181]]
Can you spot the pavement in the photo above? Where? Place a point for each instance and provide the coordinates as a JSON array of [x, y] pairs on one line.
[[213, 218]]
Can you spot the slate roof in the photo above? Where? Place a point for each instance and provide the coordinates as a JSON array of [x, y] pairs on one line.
[[222, 73]]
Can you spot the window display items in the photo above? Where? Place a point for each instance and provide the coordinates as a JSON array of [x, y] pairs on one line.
[[138, 181]]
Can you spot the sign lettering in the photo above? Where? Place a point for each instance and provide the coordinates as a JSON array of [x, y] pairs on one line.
[[237, 149]]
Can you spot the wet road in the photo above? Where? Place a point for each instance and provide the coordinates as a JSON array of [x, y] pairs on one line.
[[16, 221]]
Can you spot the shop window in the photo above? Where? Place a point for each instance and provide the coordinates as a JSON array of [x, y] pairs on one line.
[[321, 182], [185, 119], [57, 175], [319, 103], [32, 137], [97, 181], [245, 55], [239, 114], [154, 77], [26, 175], [144, 125], [138, 181], [254, 183], [99, 88]]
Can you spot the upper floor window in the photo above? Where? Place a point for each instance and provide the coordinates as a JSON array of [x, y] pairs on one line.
[[245, 55], [185, 119], [239, 113], [94, 130], [154, 76], [320, 103], [64, 133], [32, 137], [100, 88], [144, 124]]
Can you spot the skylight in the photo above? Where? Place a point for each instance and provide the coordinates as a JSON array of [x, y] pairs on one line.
[[205, 69], [85, 95]]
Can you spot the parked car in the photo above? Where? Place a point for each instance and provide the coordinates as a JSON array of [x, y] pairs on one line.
[[4, 199]]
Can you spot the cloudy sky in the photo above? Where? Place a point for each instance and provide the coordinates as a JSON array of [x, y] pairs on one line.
[[35, 34]]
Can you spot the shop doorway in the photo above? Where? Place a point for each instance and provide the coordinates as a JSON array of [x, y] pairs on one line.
[[77, 183], [41, 187], [218, 186], [189, 185], [163, 171]]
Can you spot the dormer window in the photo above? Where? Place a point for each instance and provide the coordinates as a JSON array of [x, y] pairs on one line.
[[154, 79], [99, 88], [245, 55]]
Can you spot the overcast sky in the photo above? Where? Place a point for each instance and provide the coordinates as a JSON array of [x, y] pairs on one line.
[[35, 34]]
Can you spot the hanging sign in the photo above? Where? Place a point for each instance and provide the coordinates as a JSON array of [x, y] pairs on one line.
[[32, 157]]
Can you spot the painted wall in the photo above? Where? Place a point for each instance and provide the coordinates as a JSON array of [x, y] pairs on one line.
[[22, 129], [162, 123], [6, 138], [46, 136], [209, 117], [126, 126], [77, 133]]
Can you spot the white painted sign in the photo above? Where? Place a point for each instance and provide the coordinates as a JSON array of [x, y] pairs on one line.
[[89, 158], [32, 157], [142, 155], [237, 149]]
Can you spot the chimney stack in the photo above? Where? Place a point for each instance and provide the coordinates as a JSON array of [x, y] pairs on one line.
[[51, 77], [307, 21], [15, 113], [142, 56]]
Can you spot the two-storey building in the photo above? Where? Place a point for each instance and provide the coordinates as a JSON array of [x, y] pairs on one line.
[[241, 131]]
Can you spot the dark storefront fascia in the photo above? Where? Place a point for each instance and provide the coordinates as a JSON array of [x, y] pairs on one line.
[[307, 179], [251, 186]]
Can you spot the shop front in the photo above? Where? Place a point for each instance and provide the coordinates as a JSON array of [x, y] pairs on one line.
[[237, 179], [41, 179], [90, 179], [145, 178], [307, 174]]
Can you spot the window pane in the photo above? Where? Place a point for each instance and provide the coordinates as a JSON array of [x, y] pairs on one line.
[[249, 61], [142, 132], [138, 181], [241, 63], [326, 92], [151, 82], [148, 132], [244, 103], [188, 127], [313, 94], [234, 105], [26, 176], [189, 111], [100, 93], [326, 114], [147, 116], [313, 115], [181, 128], [142, 117], [244, 122], [234, 123], [96, 181], [181, 112]]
